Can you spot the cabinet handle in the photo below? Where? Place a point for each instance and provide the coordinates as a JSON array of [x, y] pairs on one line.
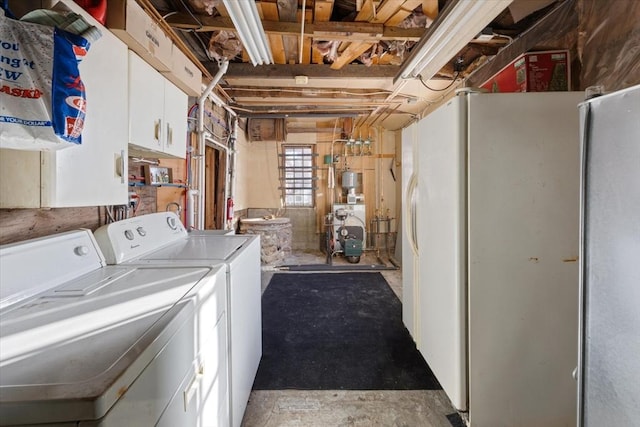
[[157, 130], [169, 134], [193, 387]]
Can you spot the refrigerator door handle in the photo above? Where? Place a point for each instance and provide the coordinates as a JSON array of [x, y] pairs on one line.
[[412, 217]]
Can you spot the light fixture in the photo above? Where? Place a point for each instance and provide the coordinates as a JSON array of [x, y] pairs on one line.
[[246, 19], [457, 25]]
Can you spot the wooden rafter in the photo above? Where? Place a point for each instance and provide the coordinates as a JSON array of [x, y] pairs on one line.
[[353, 51], [386, 10], [407, 9]]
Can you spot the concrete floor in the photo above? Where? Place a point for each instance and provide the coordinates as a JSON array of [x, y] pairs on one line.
[[322, 408]]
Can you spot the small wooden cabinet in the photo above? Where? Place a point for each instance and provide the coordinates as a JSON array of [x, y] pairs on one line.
[[157, 112]]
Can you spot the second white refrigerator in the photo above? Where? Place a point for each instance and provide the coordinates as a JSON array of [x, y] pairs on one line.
[[495, 304]]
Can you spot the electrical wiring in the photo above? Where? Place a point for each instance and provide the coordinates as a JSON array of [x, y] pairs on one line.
[[191, 14], [455, 78], [194, 31]]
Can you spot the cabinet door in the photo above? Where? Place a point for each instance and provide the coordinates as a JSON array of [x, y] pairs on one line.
[[175, 115], [90, 174], [94, 173], [146, 105]]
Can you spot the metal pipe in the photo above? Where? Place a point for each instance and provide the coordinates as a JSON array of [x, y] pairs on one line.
[[200, 158], [232, 146]]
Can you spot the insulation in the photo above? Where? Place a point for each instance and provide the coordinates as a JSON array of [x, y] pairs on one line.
[[328, 49], [204, 6], [224, 44]]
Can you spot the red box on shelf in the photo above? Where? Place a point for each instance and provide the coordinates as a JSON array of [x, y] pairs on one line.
[[547, 71]]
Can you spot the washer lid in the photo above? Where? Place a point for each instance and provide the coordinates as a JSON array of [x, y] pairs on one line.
[[200, 247], [70, 353]]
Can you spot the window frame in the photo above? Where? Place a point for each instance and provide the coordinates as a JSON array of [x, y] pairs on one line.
[[297, 175]]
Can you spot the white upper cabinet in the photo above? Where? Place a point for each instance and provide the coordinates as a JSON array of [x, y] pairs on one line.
[[95, 172], [176, 104], [157, 112]]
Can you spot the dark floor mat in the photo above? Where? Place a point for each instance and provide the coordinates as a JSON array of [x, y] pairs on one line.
[[337, 331]]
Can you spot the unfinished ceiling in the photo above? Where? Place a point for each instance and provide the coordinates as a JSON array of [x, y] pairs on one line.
[[346, 55]]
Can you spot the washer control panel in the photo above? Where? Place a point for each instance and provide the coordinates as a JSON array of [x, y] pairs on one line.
[[131, 238]]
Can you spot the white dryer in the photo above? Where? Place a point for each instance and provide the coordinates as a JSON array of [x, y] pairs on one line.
[[240, 254], [85, 344]]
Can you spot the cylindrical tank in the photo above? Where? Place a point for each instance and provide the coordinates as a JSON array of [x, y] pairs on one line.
[[349, 179]]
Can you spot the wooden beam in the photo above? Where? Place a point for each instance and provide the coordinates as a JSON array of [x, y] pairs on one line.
[[366, 12], [302, 111], [560, 20], [294, 129], [430, 9], [306, 93], [407, 9], [332, 30], [320, 71], [386, 10], [353, 51]]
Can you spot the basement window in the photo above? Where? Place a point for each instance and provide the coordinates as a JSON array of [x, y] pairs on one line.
[[297, 178]]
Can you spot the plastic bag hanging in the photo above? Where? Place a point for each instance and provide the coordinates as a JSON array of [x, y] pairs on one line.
[[42, 97]]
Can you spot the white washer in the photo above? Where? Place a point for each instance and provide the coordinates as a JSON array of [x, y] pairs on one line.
[[241, 256], [84, 344]]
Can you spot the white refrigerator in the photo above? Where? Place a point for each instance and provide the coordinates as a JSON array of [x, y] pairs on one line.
[[609, 368], [495, 305]]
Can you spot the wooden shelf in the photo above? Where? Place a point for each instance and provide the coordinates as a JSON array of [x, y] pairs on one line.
[[164, 184]]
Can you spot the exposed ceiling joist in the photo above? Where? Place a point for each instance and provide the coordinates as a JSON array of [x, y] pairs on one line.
[[243, 70], [331, 30], [308, 94]]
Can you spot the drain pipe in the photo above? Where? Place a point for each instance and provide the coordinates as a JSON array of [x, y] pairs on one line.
[[200, 158]]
